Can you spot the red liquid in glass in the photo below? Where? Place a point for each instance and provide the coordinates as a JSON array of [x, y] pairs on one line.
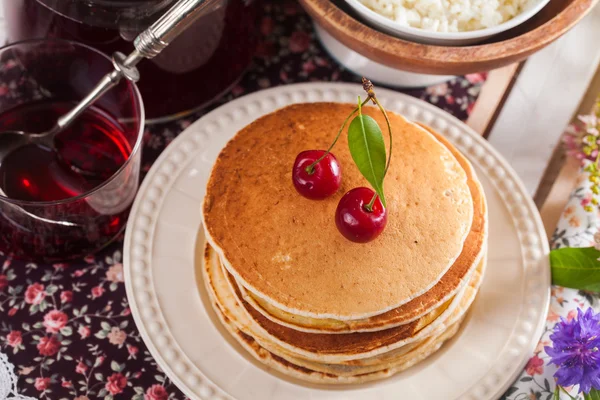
[[195, 69], [88, 153]]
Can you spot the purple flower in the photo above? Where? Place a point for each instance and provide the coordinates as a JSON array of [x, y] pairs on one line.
[[575, 351]]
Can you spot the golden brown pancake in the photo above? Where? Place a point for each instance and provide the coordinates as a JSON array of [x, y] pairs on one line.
[[287, 367], [394, 357], [377, 367], [333, 348], [447, 287], [286, 249]]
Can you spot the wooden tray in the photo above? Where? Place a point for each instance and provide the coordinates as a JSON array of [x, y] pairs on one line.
[[512, 46]]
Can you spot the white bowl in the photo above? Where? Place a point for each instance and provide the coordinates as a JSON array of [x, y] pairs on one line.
[[391, 27], [377, 73]]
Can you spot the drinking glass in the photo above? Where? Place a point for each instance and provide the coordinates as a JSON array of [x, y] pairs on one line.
[[40, 79]]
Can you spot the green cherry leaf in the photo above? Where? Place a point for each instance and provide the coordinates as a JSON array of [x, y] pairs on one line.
[[576, 268], [368, 151]]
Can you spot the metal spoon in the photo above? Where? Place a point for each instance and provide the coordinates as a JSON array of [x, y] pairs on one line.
[[147, 44]]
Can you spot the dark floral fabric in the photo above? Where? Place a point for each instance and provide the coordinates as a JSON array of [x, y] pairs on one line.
[[67, 327]]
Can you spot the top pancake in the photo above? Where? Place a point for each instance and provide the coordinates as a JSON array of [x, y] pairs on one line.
[[451, 282], [286, 249]]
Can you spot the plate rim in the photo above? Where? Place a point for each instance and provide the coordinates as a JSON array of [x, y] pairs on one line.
[[514, 196]]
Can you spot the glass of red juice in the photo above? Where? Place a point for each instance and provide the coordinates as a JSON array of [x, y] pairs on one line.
[[71, 201]]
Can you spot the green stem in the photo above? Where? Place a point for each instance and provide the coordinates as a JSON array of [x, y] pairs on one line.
[[311, 168], [556, 393], [369, 207], [389, 126], [567, 393], [359, 105]]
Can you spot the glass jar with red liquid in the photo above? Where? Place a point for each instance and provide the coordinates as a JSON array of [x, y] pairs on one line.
[[199, 66], [70, 201]]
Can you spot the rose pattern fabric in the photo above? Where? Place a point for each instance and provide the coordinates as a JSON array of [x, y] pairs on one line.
[[67, 327]]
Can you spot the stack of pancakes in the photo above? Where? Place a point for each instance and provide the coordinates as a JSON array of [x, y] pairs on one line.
[[307, 302]]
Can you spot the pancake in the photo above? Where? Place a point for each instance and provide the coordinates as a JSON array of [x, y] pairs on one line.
[[398, 356], [325, 348], [303, 265], [447, 287], [375, 368], [466, 297], [280, 364]]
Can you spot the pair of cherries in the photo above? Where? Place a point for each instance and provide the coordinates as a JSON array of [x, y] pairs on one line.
[[357, 217]]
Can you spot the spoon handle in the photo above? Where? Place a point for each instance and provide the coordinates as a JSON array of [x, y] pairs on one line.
[[148, 44], [109, 81], [170, 25]]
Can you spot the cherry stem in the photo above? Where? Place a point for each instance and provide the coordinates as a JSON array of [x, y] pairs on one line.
[[359, 105], [389, 126], [369, 207], [311, 168], [368, 87]]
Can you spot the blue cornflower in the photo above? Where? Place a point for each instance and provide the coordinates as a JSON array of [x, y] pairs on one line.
[[576, 351]]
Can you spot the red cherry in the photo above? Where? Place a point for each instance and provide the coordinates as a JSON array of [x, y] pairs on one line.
[[322, 181], [354, 221]]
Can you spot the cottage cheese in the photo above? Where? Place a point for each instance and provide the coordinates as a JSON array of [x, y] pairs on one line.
[[449, 15]]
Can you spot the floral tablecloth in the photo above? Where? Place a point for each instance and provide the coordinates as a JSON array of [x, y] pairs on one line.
[[576, 228], [67, 327]]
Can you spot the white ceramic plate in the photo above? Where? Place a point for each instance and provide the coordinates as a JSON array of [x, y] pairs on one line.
[[187, 341], [442, 38]]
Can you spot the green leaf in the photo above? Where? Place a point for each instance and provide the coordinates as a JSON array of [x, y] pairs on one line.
[[368, 151], [576, 268], [66, 331], [594, 394], [105, 325], [101, 334], [51, 289], [115, 366]]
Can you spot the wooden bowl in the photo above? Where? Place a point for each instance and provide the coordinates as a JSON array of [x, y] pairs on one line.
[[514, 45]]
